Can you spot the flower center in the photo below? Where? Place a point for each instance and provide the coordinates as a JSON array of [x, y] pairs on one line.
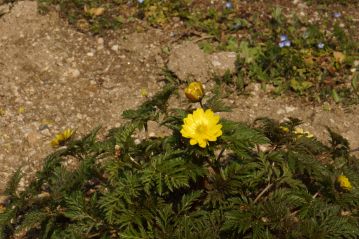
[[201, 129]]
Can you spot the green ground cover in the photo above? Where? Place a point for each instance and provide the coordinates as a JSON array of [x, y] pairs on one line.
[[208, 178], [314, 59]]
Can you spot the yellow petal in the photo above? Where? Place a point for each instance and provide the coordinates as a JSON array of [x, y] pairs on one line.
[[193, 141], [202, 143], [198, 113], [95, 11], [188, 120]]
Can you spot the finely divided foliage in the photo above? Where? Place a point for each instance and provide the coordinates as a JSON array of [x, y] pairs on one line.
[[254, 181]]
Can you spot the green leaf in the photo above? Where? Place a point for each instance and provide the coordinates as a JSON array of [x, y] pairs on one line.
[[300, 86], [241, 137], [149, 109], [32, 219], [188, 200], [13, 183], [355, 82], [335, 96], [249, 54]]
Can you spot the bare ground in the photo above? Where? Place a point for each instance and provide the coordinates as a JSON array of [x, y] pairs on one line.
[[53, 77]]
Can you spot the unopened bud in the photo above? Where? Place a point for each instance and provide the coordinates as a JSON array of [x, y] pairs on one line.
[[194, 92]]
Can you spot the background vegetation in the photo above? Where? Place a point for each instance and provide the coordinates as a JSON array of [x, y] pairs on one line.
[[320, 64]]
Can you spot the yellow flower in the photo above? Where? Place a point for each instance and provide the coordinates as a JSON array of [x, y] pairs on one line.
[[344, 183], [201, 127], [2, 112], [61, 138], [300, 132], [285, 129], [194, 92], [21, 109], [144, 92]]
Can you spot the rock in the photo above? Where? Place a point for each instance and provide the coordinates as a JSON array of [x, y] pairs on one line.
[[4, 8], [189, 63], [222, 62], [254, 88], [115, 47], [33, 137], [100, 41], [46, 132], [289, 109], [75, 73], [156, 130]]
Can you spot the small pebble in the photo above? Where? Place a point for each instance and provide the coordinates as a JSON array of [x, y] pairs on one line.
[[75, 73], [100, 41], [114, 48]]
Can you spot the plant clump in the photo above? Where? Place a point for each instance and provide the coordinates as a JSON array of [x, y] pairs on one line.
[[230, 180]]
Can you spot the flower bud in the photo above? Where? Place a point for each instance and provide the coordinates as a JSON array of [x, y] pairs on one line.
[[344, 183], [194, 92]]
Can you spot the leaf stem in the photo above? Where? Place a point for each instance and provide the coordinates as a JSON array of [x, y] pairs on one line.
[[220, 154], [263, 192]]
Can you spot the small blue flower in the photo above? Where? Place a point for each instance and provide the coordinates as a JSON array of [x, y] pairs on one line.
[[228, 5], [140, 1], [320, 45], [285, 43], [283, 37], [337, 14]]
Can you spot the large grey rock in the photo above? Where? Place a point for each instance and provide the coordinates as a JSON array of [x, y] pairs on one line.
[[222, 62], [189, 63]]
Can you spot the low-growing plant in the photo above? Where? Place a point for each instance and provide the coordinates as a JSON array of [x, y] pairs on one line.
[[305, 63], [208, 177], [344, 2]]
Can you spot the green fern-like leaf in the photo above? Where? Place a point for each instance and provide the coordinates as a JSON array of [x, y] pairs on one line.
[[13, 183], [32, 219], [241, 138], [215, 103], [187, 201], [165, 173], [149, 110]]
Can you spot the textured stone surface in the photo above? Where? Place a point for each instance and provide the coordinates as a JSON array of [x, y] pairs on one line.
[[222, 62], [189, 63]]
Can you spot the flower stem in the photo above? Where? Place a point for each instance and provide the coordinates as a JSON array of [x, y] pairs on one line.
[[263, 192], [220, 154]]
